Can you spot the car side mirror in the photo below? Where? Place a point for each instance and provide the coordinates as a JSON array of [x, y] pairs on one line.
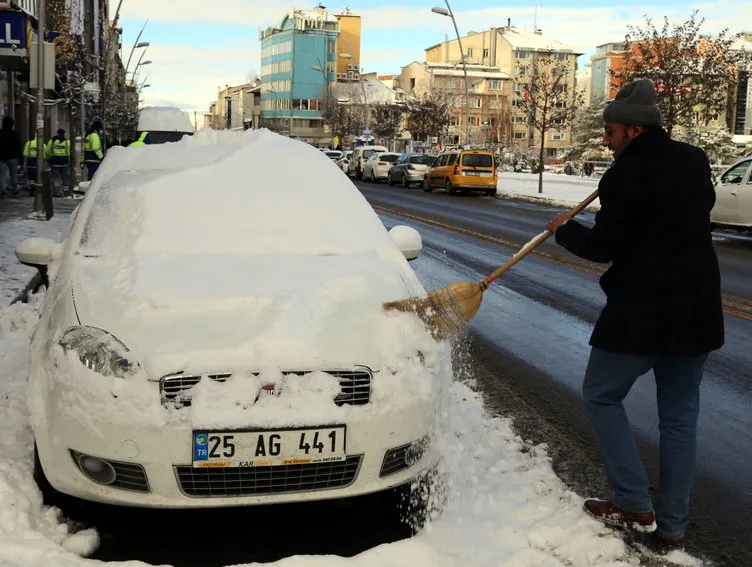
[[408, 240], [37, 252]]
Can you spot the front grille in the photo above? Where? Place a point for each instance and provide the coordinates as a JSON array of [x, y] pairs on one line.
[[355, 386], [217, 483]]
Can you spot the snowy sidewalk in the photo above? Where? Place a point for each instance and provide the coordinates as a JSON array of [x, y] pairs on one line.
[[14, 228], [558, 189]]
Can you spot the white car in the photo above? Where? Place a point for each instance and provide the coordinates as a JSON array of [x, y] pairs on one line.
[[333, 155], [361, 154], [377, 166], [733, 196], [344, 160], [229, 350]]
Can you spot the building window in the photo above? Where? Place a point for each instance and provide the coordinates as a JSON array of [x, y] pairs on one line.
[[475, 121], [476, 103], [522, 54], [521, 70], [520, 135], [313, 104], [495, 85], [561, 56], [558, 136], [469, 52], [485, 52], [519, 88], [412, 82]]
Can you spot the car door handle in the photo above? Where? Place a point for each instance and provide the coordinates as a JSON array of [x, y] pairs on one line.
[[733, 193]]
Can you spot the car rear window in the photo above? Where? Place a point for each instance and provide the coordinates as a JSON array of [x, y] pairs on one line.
[[369, 153], [477, 160], [390, 159], [426, 160]]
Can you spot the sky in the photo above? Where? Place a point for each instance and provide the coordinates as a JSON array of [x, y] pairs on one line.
[[198, 47]]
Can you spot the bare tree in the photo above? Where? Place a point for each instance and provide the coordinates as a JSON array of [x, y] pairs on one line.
[[588, 133], [694, 73], [388, 120], [547, 102], [342, 117], [429, 115]]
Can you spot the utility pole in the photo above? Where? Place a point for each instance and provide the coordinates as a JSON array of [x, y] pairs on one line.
[[41, 200]]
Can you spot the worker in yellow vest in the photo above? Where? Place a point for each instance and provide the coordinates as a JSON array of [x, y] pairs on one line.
[[58, 152], [143, 140], [30, 160], [93, 150]]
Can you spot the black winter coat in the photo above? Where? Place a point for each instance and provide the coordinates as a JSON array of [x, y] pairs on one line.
[[10, 144], [663, 288]]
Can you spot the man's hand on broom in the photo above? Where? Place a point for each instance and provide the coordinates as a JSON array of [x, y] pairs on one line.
[[557, 221]]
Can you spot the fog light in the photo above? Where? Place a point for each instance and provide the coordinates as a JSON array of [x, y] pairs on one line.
[[96, 469]]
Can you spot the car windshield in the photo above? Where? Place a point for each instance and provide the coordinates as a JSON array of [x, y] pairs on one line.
[[202, 203], [477, 160], [368, 153], [424, 159], [388, 158]]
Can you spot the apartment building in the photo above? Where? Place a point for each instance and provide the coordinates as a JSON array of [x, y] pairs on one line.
[[298, 68], [516, 53], [489, 93], [608, 59]]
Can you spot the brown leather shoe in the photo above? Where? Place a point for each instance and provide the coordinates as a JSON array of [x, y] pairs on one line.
[[607, 512]]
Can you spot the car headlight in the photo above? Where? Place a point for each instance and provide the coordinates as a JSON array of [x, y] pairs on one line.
[[99, 351]]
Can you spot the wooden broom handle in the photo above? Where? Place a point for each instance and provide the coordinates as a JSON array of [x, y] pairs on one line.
[[535, 242]]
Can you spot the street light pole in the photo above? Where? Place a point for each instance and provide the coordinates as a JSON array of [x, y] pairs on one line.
[[38, 197], [136, 45], [448, 12]]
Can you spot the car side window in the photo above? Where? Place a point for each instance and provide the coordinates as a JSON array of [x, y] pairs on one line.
[[452, 159], [735, 175], [441, 161]]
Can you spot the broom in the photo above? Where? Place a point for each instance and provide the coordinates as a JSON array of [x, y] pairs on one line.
[[448, 310]]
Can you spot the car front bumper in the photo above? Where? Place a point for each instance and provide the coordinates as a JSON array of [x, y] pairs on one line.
[[153, 464]]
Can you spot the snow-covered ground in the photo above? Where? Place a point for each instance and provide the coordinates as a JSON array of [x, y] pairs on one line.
[[558, 189], [13, 275], [505, 505]]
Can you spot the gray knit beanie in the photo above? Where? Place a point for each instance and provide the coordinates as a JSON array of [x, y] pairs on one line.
[[635, 103]]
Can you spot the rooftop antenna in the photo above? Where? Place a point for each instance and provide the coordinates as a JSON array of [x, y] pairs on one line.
[[535, 17]]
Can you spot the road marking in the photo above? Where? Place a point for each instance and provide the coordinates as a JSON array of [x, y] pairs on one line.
[[734, 305]]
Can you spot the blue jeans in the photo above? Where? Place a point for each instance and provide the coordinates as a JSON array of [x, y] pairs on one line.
[[608, 380]]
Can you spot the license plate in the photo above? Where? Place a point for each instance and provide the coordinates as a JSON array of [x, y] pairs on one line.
[[486, 174], [225, 449]]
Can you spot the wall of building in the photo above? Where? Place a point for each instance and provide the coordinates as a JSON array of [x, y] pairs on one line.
[[348, 42]]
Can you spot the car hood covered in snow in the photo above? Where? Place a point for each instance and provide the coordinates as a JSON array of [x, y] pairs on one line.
[[205, 314], [213, 254]]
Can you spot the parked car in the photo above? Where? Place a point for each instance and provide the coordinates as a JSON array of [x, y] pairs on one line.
[[377, 166], [733, 196], [344, 160], [360, 156], [333, 155], [164, 123], [409, 169], [463, 170], [207, 359]]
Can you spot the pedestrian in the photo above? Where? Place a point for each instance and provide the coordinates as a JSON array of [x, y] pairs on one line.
[[143, 139], [31, 161], [10, 153], [93, 150], [663, 309], [58, 150]]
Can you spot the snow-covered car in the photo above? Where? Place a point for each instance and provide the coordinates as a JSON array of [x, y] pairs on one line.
[[733, 196], [377, 166], [230, 348]]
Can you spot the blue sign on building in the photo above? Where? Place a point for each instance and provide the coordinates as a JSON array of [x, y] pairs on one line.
[[12, 30]]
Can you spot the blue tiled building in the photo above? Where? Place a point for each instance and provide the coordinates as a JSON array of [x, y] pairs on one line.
[[297, 67]]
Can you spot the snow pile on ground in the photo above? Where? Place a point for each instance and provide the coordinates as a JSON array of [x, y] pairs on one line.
[[558, 190], [506, 506], [30, 533], [14, 275]]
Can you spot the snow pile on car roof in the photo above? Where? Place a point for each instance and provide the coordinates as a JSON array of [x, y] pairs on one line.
[[164, 119]]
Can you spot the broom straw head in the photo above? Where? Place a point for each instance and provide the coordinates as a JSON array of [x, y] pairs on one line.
[[446, 311]]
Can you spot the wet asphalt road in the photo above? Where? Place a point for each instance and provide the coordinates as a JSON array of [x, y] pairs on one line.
[[528, 347]]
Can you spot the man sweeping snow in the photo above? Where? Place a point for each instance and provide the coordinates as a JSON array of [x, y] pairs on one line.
[[663, 310]]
